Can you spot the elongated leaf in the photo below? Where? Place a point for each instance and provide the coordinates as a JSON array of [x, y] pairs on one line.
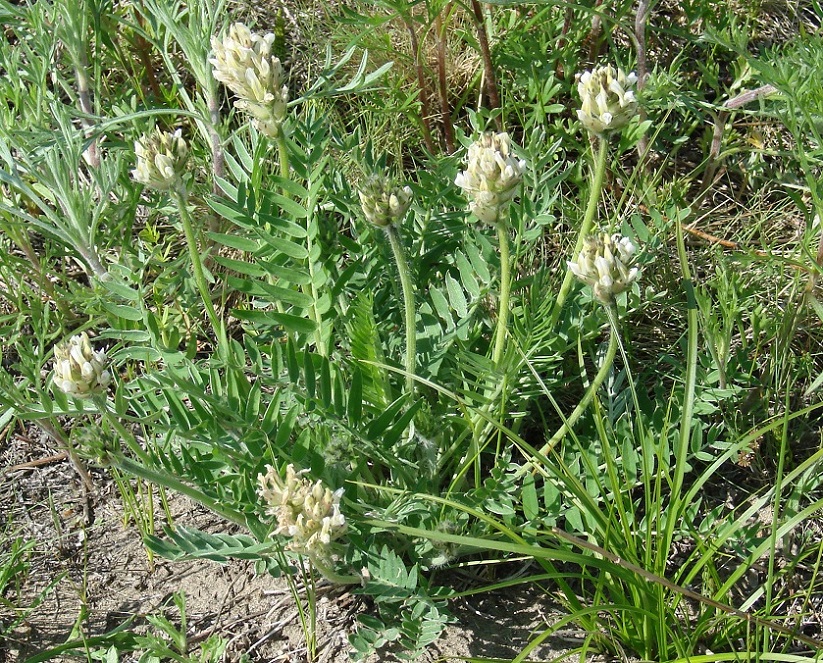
[[234, 241], [275, 318]]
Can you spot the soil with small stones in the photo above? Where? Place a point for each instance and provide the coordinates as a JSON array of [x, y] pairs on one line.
[[90, 573]]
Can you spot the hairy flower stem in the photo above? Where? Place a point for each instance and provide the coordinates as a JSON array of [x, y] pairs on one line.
[[598, 175], [584, 403], [197, 266], [331, 575], [408, 305], [505, 288]]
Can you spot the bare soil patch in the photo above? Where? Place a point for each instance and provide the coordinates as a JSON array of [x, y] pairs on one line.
[[102, 579]]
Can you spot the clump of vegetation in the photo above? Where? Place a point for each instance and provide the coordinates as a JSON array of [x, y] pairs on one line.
[[547, 317]]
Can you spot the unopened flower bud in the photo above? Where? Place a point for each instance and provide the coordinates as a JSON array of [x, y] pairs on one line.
[[607, 102], [491, 177], [244, 63], [161, 160], [78, 369], [605, 264], [383, 203]]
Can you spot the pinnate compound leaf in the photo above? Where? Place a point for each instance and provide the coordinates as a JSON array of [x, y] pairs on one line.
[[185, 543]]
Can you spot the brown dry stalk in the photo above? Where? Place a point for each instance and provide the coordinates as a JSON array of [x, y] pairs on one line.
[[489, 76], [559, 71], [37, 462], [735, 246], [595, 34], [719, 127], [422, 85], [442, 79]]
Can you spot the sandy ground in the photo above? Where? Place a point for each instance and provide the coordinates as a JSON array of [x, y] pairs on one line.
[[103, 578]]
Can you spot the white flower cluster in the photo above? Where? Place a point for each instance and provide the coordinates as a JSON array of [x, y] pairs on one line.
[[161, 160], [605, 264], [307, 513], [608, 103], [492, 175], [78, 369], [384, 204], [244, 63]]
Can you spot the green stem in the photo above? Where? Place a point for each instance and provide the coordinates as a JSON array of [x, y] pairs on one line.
[[330, 574], [197, 266], [571, 420], [505, 288], [598, 175], [408, 305]]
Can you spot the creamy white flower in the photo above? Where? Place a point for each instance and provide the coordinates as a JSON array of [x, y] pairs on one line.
[[78, 369], [244, 63], [606, 265], [307, 513], [492, 175], [607, 101], [161, 160], [383, 203]]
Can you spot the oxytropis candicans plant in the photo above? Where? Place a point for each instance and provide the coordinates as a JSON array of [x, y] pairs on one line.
[[607, 105], [307, 513], [161, 165], [79, 370], [244, 63], [606, 265], [385, 205], [492, 177], [161, 160], [607, 99]]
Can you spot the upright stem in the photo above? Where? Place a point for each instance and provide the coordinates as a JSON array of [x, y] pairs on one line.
[[442, 80], [584, 403], [197, 265], [488, 65], [425, 112], [598, 176], [505, 288], [640, 19], [408, 305], [84, 98]]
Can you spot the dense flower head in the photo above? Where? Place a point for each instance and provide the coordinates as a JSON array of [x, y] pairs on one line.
[[161, 160], [308, 513], [244, 63], [78, 369], [383, 203], [606, 265], [607, 101], [492, 175]]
